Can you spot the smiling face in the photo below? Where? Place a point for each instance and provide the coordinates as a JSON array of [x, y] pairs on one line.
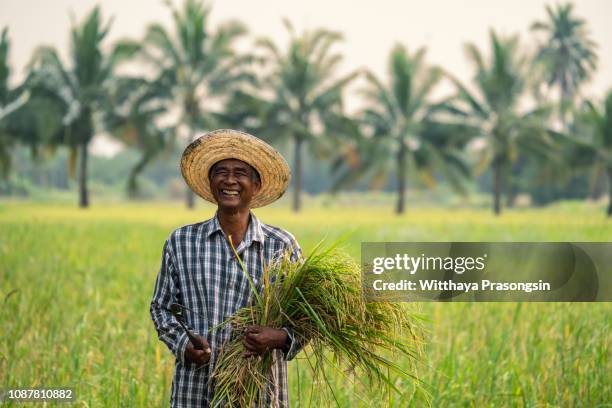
[[233, 183]]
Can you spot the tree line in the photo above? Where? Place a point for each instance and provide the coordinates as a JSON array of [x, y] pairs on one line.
[[518, 107]]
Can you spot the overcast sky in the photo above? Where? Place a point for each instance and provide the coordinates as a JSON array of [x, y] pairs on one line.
[[370, 28]]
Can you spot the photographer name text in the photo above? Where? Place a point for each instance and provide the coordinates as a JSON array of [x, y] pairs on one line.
[[435, 285]]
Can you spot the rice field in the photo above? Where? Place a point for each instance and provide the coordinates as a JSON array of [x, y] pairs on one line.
[[75, 287]]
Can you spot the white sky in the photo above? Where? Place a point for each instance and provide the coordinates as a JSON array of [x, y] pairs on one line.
[[370, 28]]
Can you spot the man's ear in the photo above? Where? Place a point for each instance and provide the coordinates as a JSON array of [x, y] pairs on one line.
[[256, 187]]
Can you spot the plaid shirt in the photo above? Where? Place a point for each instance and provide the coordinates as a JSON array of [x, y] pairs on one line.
[[200, 271]]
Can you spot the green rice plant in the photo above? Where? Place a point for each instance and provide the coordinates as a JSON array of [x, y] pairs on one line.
[[75, 285], [321, 300]]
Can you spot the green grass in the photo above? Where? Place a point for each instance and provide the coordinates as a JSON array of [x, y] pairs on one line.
[[80, 284]]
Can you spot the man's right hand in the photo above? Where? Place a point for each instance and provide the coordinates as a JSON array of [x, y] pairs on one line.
[[199, 357]]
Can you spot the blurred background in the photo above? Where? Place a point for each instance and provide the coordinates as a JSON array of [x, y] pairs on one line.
[[401, 121], [480, 103]]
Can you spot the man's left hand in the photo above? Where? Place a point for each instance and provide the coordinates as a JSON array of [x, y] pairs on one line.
[[259, 339]]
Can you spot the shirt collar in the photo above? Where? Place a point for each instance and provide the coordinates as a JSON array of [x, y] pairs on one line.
[[213, 226], [254, 231]]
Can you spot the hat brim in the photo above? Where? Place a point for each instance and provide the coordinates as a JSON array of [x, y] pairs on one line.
[[223, 144]]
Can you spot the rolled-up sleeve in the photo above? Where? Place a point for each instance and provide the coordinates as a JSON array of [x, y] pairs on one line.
[[165, 293], [294, 345]]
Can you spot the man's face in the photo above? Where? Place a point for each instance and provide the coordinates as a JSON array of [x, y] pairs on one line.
[[232, 185]]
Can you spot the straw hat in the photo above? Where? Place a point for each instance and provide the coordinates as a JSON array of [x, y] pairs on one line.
[[223, 144]]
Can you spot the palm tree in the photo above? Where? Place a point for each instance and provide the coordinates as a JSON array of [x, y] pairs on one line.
[[5, 70], [83, 86], [10, 100], [132, 118], [37, 121], [404, 130], [29, 115], [502, 129], [5, 142], [198, 67], [593, 138], [306, 105], [567, 53]]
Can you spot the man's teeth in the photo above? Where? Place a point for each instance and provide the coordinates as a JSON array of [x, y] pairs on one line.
[[229, 192]]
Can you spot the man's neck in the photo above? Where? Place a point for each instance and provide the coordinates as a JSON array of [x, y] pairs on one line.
[[234, 224]]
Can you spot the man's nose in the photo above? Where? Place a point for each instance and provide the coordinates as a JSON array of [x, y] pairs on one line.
[[231, 178]]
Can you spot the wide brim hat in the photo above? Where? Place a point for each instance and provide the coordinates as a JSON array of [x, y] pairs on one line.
[[223, 144]]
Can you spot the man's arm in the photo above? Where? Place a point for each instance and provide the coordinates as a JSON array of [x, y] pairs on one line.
[[259, 340], [166, 292]]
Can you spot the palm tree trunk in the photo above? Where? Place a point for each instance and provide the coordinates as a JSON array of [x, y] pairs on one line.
[[497, 187], [297, 180], [609, 191], [132, 186], [509, 189], [401, 178], [565, 95], [598, 184], [190, 199], [5, 160], [83, 193]]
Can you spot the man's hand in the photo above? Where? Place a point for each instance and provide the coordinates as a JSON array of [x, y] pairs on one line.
[[259, 340], [199, 357]]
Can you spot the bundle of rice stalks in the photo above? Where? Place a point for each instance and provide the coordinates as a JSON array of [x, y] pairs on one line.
[[321, 299]]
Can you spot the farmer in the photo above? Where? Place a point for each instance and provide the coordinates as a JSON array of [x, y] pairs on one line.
[[199, 269]]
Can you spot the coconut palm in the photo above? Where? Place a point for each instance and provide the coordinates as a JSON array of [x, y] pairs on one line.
[[30, 115], [4, 66], [593, 138], [83, 85], [5, 142], [405, 133], [503, 130], [37, 121], [10, 100], [199, 67], [132, 117], [567, 53], [306, 105]]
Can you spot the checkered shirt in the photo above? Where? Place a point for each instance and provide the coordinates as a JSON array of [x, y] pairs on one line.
[[199, 271]]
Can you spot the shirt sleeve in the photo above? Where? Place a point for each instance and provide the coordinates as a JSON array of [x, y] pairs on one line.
[[166, 292], [296, 251], [294, 344]]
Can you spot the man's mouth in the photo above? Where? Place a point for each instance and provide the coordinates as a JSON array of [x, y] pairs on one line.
[[230, 193]]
